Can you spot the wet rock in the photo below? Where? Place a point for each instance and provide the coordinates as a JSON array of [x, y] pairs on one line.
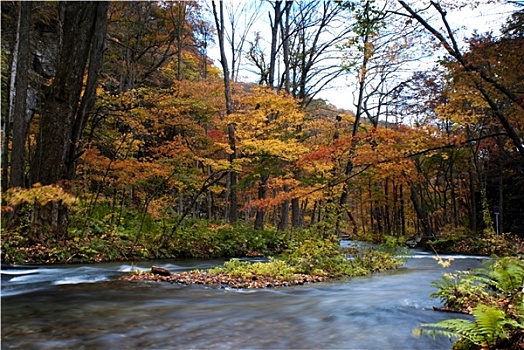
[[160, 271]]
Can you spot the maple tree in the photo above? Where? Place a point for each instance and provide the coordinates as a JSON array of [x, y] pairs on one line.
[[266, 133]]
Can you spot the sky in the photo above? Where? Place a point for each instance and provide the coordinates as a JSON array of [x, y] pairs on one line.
[[340, 92], [466, 21]]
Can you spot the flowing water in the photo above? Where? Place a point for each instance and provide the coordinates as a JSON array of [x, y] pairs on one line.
[[85, 307]]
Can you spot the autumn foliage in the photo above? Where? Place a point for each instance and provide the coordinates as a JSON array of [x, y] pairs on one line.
[[156, 148]]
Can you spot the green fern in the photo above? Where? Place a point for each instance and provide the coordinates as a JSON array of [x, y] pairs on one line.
[[508, 274], [489, 327], [461, 290], [492, 324], [495, 295]]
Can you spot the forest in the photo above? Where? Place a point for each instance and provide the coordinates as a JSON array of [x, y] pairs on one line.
[[123, 138]]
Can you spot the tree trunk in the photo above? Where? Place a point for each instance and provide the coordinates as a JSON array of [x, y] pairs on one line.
[[232, 176], [473, 201], [402, 212], [18, 105], [262, 194], [284, 212], [295, 213], [276, 23], [286, 51], [181, 20], [422, 215], [63, 97], [361, 88], [387, 221], [89, 95], [501, 188], [49, 220], [61, 105], [6, 130]]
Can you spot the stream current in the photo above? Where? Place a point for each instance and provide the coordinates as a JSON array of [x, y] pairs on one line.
[[86, 307]]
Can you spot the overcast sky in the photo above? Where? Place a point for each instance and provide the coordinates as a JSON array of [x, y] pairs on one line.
[[340, 93]]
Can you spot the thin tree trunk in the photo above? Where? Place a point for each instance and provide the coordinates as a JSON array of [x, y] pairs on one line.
[[501, 188], [387, 222], [18, 107], [313, 213], [181, 21], [473, 201], [361, 87], [209, 198], [286, 51], [422, 215], [402, 212], [6, 128], [232, 176]]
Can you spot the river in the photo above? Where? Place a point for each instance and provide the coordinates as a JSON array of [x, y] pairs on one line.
[[86, 307]]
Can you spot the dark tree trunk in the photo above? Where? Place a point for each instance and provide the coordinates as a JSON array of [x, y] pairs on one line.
[[402, 214], [232, 176], [19, 105], [387, 221], [262, 194], [49, 219], [284, 212], [500, 222], [6, 129], [473, 203], [296, 215], [422, 215], [88, 98], [276, 23], [63, 101], [286, 51]]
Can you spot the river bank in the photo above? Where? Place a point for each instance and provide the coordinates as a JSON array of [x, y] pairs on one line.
[[224, 280]]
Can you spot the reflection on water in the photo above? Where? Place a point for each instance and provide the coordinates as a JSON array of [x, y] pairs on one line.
[[376, 312]]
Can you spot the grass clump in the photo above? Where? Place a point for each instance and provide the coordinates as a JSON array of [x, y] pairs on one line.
[[274, 268]]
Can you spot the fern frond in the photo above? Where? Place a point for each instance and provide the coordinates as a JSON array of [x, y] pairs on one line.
[[490, 323], [509, 275], [453, 328], [490, 326]]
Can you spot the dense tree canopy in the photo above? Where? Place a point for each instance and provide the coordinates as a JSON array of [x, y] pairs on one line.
[[117, 105]]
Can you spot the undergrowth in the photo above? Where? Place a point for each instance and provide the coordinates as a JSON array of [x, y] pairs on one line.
[[494, 295], [316, 257]]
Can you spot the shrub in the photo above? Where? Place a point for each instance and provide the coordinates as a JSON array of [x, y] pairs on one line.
[[318, 256], [274, 268]]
